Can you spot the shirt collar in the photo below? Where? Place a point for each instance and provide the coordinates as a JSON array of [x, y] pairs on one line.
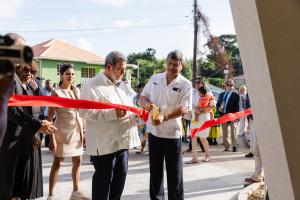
[[176, 80], [108, 81]]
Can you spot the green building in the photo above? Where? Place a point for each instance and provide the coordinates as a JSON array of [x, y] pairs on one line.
[[50, 54]]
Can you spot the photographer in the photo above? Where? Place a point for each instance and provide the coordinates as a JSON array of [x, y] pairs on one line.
[[6, 89], [17, 145]]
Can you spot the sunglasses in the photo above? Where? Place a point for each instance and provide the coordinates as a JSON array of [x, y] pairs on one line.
[[27, 70], [230, 85]]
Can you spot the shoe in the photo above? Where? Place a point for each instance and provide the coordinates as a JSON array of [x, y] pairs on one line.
[[77, 195], [249, 155], [192, 162], [226, 149], [188, 150], [50, 198], [206, 159], [234, 149]]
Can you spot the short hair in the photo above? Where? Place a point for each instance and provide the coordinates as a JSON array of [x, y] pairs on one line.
[[114, 57], [202, 90], [32, 65], [229, 81], [47, 81], [140, 85], [175, 55], [243, 86]]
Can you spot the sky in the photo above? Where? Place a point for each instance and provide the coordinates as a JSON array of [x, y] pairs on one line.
[[101, 26]]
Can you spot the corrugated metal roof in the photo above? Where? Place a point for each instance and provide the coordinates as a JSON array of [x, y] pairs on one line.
[[56, 49]]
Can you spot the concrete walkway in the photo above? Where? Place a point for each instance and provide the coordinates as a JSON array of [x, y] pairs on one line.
[[219, 179]]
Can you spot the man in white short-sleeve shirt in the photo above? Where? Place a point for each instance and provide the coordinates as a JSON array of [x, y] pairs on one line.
[[173, 94]]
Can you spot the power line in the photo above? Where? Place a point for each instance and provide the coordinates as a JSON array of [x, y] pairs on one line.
[[95, 29], [94, 19], [91, 10]]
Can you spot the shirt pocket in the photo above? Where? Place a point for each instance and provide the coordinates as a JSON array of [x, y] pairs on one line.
[[174, 97]]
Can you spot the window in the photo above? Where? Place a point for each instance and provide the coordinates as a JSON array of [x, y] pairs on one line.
[[57, 69], [88, 72]]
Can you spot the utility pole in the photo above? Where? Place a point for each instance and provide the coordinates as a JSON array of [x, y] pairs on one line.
[[195, 68]]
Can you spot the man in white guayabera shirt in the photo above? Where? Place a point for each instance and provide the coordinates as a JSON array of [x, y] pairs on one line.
[[108, 130], [173, 94]]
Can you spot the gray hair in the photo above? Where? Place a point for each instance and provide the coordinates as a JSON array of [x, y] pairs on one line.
[[175, 55], [114, 57], [229, 81]]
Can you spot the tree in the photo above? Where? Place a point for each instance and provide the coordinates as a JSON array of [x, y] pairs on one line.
[[229, 42], [187, 69], [225, 52], [148, 65]]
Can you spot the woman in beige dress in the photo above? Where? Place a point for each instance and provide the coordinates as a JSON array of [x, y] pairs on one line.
[[68, 139]]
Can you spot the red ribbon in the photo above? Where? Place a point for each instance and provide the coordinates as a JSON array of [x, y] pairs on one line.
[[51, 101], [225, 118]]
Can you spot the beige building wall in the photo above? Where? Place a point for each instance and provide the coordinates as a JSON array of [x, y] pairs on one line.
[[268, 33]]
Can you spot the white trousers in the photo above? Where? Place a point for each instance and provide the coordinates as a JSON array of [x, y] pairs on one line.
[[259, 173]]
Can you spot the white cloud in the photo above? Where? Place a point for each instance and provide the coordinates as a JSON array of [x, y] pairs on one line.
[[114, 3], [145, 21], [85, 44], [122, 23], [9, 8], [74, 21]]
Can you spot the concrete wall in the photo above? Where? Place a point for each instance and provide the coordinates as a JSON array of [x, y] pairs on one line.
[[268, 35]]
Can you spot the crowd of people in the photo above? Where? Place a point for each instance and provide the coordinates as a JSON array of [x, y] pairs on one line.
[[108, 134]]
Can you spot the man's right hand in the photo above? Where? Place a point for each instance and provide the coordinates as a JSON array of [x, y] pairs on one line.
[[47, 127], [7, 85]]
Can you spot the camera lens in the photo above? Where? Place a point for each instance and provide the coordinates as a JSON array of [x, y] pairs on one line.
[[27, 54]]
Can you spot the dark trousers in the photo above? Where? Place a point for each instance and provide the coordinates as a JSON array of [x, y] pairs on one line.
[[12, 172], [110, 174], [186, 127], [168, 150]]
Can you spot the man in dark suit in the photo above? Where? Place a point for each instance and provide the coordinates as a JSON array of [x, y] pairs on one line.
[[18, 139], [228, 102]]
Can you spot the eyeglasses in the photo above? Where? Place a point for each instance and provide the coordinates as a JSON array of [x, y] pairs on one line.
[[28, 70], [230, 85]]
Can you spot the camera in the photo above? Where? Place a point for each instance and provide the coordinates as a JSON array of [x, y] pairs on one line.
[[11, 54]]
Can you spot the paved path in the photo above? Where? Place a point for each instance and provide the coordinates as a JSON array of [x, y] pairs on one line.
[[219, 179]]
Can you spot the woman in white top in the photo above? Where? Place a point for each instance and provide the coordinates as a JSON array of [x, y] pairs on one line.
[[68, 139]]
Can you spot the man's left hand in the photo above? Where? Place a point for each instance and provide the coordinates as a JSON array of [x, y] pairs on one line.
[[158, 121]]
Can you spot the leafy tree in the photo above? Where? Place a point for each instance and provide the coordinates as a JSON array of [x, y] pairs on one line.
[[187, 69], [219, 82], [149, 65], [229, 42], [209, 69]]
